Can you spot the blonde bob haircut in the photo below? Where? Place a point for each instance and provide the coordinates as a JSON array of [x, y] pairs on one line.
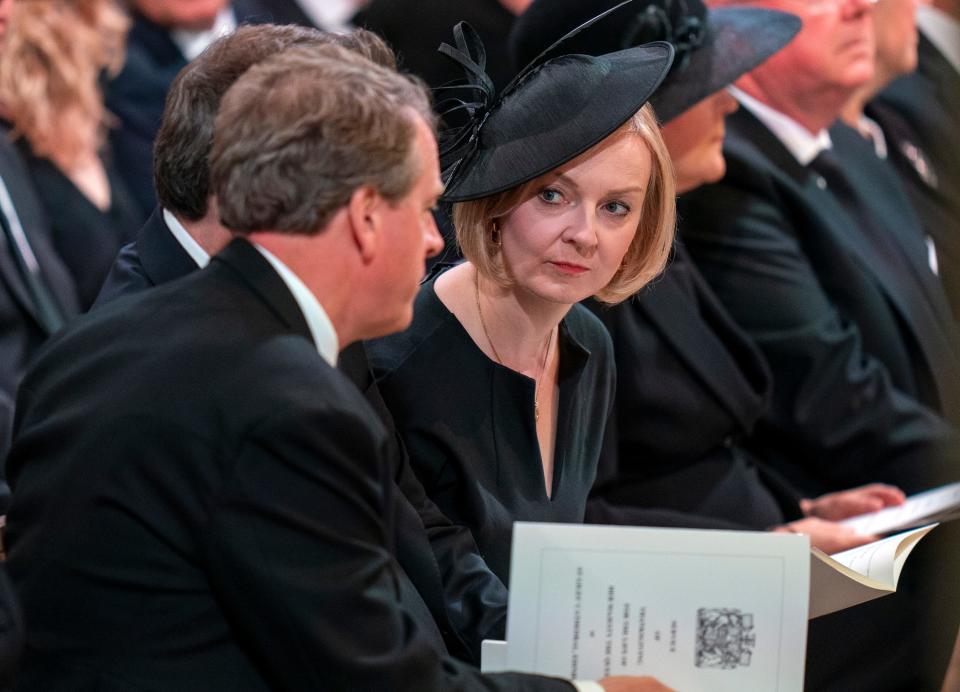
[[53, 56], [647, 255]]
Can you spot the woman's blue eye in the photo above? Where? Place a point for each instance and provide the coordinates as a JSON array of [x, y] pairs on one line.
[[618, 208], [550, 196]]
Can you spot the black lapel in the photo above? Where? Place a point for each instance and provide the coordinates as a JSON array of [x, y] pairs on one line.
[[833, 218], [16, 179], [256, 272], [156, 41], [933, 65], [162, 257], [676, 315], [877, 181], [904, 149]]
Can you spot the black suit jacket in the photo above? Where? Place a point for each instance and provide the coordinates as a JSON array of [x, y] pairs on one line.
[[154, 258], [860, 353], [137, 94], [21, 331], [456, 596], [690, 388], [919, 114], [202, 503]]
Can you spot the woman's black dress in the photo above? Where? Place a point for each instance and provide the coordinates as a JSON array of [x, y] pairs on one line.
[[86, 238], [468, 424]]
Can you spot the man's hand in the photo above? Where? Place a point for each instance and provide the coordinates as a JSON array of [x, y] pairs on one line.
[[629, 683], [849, 503], [828, 536]]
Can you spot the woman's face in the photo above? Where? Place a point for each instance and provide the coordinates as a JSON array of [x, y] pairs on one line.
[[565, 243], [695, 141]]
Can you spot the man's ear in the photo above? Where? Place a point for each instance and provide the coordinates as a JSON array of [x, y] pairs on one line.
[[365, 213]]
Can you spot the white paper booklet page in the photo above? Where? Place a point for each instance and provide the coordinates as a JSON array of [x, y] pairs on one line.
[[937, 505], [861, 574], [700, 610]]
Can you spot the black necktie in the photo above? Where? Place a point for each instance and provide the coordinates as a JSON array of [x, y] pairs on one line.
[[45, 305]]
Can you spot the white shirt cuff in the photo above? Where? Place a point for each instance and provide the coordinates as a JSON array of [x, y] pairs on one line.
[[587, 686]]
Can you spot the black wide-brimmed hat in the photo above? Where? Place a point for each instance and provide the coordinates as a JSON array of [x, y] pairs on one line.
[[714, 47], [556, 108]]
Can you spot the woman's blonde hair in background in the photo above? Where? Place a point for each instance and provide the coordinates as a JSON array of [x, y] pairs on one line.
[[647, 255], [52, 60]]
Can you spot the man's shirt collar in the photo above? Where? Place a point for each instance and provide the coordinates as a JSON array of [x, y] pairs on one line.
[[329, 15], [794, 136], [318, 322], [182, 236], [193, 43]]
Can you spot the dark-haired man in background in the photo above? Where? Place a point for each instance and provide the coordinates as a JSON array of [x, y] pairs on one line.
[[165, 35]]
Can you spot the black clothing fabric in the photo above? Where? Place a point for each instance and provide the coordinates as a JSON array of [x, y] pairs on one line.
[[690, 388], [457, 597], [285, 12], [202, 503], [919, 114], [416, 42], [468, 424], [47, 311], [858, 358], [154, 258], [86, 238], [137, 95], [22, 326], [899, 239]]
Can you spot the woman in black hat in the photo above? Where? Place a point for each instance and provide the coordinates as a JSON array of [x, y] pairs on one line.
[[562, 189], [691, 385]]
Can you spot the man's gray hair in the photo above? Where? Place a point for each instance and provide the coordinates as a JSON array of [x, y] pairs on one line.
[[299, 132]]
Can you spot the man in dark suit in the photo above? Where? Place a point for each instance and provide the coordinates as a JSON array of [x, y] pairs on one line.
[[165, 35], [837, 294], [456, 595], [202, 500], [833, 284], [919, 114]]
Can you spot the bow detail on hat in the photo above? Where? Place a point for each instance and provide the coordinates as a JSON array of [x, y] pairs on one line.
[[458, 145], [685, 32]]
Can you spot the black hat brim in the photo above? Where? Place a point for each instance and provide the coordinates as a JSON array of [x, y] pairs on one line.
[[563, 108], [738, 40]]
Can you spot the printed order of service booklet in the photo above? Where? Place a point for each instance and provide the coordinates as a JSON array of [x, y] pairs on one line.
[[699, 610]]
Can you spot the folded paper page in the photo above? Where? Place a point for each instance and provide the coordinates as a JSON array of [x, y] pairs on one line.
[[859, 575]]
